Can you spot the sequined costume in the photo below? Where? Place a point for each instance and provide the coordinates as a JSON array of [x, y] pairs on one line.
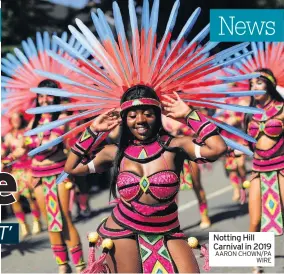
[[99, 90], [267, 164]]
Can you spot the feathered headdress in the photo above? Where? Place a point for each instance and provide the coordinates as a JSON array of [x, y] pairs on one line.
[[264, 55], [183, 69], [21, 69]]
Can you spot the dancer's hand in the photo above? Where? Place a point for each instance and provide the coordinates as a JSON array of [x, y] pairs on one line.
[[106, 121], [176, 107]]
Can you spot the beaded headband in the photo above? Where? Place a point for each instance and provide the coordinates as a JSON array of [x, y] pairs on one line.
[[140, 102], [269, 77]]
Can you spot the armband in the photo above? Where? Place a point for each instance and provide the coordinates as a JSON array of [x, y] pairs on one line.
[[91, 167], [85, 144], [201, 126]]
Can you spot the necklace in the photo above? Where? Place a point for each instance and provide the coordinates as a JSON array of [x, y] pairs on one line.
[[143, 152], [271, 109]]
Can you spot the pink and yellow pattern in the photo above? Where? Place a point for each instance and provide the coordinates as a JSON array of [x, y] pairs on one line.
[[154, 254], [54, 217], [185, 176], [271, 220]]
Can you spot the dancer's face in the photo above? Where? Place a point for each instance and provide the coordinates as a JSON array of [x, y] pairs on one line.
[[259, 84], [16, 121], [141, 122], [45, 100]]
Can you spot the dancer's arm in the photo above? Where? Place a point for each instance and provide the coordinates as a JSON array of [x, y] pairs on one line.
[[88, 142], [14, 154], [103, 161], [209, 145]]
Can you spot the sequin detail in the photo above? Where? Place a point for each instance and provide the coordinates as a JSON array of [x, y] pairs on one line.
[[162, 185]]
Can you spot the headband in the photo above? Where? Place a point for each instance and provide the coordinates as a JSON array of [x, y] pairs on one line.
[[140, 102]]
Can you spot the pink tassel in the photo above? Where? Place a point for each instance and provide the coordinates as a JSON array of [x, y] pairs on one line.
[[96, 266], [205, 254]]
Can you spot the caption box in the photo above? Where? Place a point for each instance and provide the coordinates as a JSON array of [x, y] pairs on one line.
[[240, 249], [9, 233]]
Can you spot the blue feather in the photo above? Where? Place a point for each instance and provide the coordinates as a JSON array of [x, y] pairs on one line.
[[261, 48], [236, 108], [153, 24], [201, 35], [110, 36], [233, 130], [21, 56], [169, 28], [13, 59], [57, 123], [96, 44], [8, 64], [145, 19], [228, 79], [134, 28], [198, 38], [238, 93], [72, 42], [121, 32], [59, 108], [65, 80], [63, 176], [46, 40], [64, 93], [7, 71], [255, 53], [72, 67], [237, 146], [39, 41], [98, 26], [76, 55], [32, 47], [46, 146], [26, 49]]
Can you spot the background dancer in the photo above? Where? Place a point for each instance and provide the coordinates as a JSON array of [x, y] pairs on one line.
[[266, 193], [21, 171], [53, 200]]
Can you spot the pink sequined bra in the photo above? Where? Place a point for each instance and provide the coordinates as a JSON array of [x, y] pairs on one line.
[[271, 128], [162, 185]]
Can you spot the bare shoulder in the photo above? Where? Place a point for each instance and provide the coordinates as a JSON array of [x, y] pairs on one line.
[[281, 114]]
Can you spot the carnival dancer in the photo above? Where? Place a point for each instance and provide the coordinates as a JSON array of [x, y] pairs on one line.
[[154, 178], [53, 200], [267, 182], [144, 224], [266, 192], [13, 139]]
